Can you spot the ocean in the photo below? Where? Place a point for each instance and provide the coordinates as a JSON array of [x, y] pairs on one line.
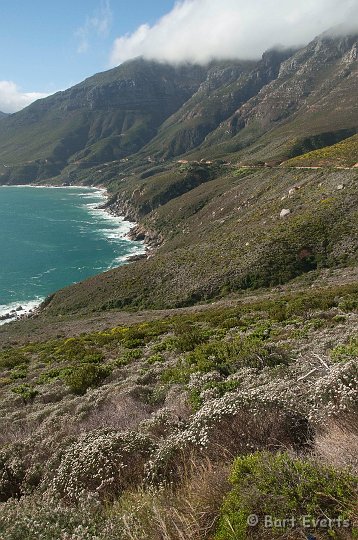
[[53, 237]]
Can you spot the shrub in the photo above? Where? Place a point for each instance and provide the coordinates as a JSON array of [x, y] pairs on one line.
[[223, 427], [85, 376], [344, 353], [350, 303], [135, 337], [337, 391], [27, 392], [282, 487], [103, 462], [19, 373], [12, 473], [232, 322], [187, 337], [167, 344], [203, 387], [227, 357], [11, 358], [128, 356], [43, 518], [155, 358]]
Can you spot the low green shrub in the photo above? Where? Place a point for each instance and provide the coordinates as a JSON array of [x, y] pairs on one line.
[[187, 336], [350, 303], [85, 376], [10, 358], [344, 353], [128, 356], [176, 374], [228, 356], [27, 392], [284, 488], [51, 375], [20, 372], [155, 358]]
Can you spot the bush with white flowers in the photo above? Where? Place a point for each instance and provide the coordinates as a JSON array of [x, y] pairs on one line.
[[102, 462], [337, 391], [256, 411]]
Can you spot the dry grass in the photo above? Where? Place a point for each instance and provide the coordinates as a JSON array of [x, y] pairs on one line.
[[337, 443], [189, 512]]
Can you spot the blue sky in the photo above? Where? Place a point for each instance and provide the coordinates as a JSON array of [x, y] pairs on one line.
[[50, 45]]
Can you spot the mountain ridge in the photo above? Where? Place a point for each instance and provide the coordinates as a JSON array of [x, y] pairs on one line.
[[273, 108]]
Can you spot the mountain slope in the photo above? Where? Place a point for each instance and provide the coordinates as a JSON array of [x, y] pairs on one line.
[[281, 106], [314, 94], [226, 88], [223, 233], [106, 117]]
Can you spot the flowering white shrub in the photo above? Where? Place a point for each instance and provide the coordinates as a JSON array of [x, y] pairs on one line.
[[337, 391], [199, 379], [161, 423], [252, 409], [45, 518], [102, 462]]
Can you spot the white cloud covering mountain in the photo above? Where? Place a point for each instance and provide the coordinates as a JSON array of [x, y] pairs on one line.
[[198, 30], [12, 99]]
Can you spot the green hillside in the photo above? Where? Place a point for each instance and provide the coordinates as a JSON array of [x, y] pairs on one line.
[[343, 154], [220, 231]]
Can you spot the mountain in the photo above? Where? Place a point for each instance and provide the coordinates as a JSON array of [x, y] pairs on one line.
[[226, 88], [286, 104], [106, 117], [310, 104]]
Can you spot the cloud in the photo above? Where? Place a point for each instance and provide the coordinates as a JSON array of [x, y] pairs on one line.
[[98, 24], [199, 30], [12, 99]]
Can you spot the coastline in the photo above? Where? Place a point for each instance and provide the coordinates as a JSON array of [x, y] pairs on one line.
[[20, 310]]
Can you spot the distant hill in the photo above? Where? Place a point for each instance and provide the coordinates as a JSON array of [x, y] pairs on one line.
[[2, 114], [284, 105]]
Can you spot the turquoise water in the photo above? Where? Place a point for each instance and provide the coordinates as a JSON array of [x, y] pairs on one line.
[[52, 237]]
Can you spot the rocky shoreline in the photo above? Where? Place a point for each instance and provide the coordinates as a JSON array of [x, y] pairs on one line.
[[19, 314], [117, 206]]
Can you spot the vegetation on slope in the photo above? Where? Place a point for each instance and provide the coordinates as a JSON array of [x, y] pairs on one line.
[[343, 154], [224, 235], [145, 450]]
